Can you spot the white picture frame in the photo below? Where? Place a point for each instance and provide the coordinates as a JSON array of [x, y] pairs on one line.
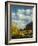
[[8, 39]]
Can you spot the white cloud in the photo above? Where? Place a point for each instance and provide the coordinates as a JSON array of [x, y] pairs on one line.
[[28, 11], [20, 11], [13, 13]]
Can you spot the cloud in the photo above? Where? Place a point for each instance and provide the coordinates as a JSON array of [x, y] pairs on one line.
[[28, 11], [24, 22], [12, 14], [23, 19]]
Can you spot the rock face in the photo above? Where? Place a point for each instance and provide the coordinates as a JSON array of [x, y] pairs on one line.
[[29, 26]]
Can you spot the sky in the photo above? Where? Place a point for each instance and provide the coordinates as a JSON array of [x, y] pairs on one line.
[[21, 15]]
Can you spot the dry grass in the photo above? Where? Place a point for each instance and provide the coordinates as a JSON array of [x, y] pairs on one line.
[[15, 32]]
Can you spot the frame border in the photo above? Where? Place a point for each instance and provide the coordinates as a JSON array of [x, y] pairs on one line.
[[6, 19]]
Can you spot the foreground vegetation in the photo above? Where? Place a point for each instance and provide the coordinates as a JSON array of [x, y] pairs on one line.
[[15, 32]]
